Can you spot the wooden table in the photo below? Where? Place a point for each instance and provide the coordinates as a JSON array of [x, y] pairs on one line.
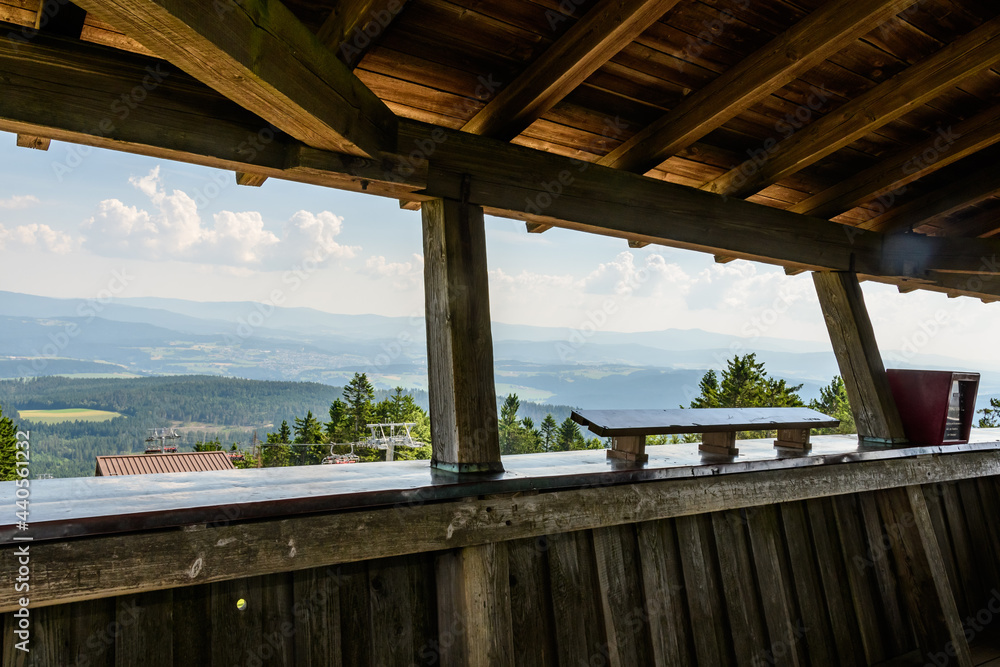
[[718, 427]]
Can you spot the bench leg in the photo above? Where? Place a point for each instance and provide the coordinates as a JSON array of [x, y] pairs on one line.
[[719, 443], [793, 438], [629, 448]]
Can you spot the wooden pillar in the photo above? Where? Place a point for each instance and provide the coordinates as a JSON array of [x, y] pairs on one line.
[[843, 304], [459, 340], [474, 615]]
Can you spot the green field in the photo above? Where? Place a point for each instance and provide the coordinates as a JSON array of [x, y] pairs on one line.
[[68, 415]]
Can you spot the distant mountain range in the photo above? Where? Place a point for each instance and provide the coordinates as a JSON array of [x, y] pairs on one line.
[[155, 336]]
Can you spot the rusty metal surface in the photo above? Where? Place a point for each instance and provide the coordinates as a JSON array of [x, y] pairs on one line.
[[76, 507]]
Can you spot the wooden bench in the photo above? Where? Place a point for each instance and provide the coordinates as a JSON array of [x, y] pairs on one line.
[[718, 427]]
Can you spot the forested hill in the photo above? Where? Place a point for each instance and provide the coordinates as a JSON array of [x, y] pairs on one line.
[[181, 398], [199, 406]]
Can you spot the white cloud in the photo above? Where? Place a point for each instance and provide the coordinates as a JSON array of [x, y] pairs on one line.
[[404, 275], [36, 235], [18, 201], [174, 229]]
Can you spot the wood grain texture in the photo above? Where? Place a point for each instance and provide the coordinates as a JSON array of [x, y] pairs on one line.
[[872, 110], [899, 637], [354, 27], [663, 582], [802, 558], [703, 588], [785, 628], [236, 634], [532, 622], [937, 203], [603, 31], [875, 412], [811, 41], [317, 623], [205, 128], [79, 570], [746, 618], [145, 629], [459, 340], [622, 599], [921, 574], [576, 606], [859, 559], [891, 176], [474, 607], [403, 609], [259, 55]]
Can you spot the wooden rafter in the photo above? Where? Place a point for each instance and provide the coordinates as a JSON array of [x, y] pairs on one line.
[[62, 89], [354, 26], [879, 106], [583, 49], [259, 55], [984, 225], [937, 203], [811, 41], [945, 147]]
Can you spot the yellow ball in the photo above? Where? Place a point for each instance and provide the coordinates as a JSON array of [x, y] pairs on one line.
[[241, 604]]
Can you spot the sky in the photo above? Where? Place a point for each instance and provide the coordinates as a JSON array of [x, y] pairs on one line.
[[76, 221]]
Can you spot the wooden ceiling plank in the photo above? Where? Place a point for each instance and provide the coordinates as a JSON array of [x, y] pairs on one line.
[[355, 26], [593, 40], [259, 55], [183, 120], [945, 147], [862, 115], [811, 41], [938, 203]]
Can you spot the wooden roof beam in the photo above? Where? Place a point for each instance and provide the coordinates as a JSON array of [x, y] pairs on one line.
[[889, 177], [881, 105], [354, 26], [603, 31], [812, 40], [259, 55], [62, 89], [31, 141], [938, 203]]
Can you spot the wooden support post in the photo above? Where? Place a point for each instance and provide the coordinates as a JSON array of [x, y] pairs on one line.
[[874, 408], [629, 448], [474, 615], [251, 180], [793, 438], [719, 443], [29, 141], [459, 340]]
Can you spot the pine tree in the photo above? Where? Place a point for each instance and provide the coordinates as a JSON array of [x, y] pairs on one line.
[[833, 401], [745, 384], [569, 436], [509, 428], [338, 428], [548, 432], [8, 449], [359, 394], [991, 415]]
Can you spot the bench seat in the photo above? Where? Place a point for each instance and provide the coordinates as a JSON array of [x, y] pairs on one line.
[[718, 427]]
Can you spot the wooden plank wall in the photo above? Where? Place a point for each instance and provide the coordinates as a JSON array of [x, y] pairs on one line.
[[814, 582]]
